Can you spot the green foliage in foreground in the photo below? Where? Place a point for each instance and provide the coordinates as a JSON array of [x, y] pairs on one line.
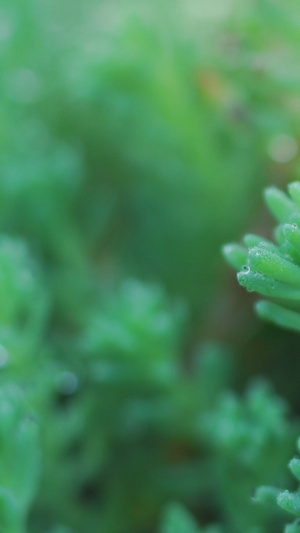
[[287, 500], [273, 269]]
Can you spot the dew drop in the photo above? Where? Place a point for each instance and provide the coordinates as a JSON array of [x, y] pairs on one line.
[[246, 268]]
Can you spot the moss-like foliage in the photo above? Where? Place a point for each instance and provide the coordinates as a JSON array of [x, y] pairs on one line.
[[272, 269], [248, 439]]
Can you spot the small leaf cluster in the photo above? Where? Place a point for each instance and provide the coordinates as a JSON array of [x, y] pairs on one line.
[[249, 439], [288, 500], [273, 269]]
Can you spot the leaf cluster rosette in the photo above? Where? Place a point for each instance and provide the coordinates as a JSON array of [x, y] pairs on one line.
[[272, 269]]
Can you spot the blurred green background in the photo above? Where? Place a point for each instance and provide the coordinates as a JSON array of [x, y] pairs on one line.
[[135, 140]]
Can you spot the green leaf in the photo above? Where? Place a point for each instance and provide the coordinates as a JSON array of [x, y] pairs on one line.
[[294, 466], [289, 501], [294, 191], [266, 495], [272, 264], [236, 255], [266, 285], [279, 204], [278, 315]]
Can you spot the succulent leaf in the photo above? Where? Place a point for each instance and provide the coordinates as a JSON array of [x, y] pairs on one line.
[[273, 270]]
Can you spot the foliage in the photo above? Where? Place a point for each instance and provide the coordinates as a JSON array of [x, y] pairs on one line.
[[273, 270], [287, 500], [123, 139], [249, 439]]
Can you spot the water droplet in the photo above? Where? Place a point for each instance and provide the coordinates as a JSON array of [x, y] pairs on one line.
[[246, 268]]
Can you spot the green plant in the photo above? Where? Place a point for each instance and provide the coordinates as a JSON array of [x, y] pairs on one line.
[[122, 134], [273, 270], [250, 439]]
